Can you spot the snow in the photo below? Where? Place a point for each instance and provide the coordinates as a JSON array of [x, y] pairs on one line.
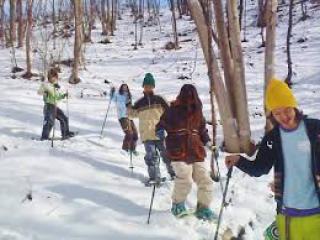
[[82, 188]]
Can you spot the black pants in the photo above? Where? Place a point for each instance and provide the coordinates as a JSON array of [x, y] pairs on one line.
[[51, 113]]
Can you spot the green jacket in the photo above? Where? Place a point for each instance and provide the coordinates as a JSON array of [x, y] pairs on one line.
[[51, 95]]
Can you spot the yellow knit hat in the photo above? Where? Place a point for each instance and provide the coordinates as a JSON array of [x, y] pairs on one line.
[[278, 95]]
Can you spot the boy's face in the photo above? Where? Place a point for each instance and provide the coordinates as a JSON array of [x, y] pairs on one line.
[[53, 79], [148, 88]]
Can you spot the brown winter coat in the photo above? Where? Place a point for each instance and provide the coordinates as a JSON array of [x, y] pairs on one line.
[[186, 134]]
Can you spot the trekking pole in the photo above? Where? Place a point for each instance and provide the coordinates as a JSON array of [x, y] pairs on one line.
[[54, 116], [151, 202], [130, 128], [105, 118], [68, 114], [214, 177], [154, 188], [223, 203], [131, 163]]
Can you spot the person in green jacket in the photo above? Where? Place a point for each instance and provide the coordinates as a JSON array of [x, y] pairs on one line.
[[51, 96]]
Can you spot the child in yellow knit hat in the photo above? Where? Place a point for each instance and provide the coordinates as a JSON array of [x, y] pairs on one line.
[[292, 149]]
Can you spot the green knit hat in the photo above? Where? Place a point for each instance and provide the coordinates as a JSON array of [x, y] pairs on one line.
[[148, 80]]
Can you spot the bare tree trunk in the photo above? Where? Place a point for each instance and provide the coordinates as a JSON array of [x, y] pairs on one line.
[[303, 10], [28, 73], [241, 12], [54, 20], [269, 51], [179, 8], [228, 122], [141, 17], [20, 23], [289, 59], [207, 10], [78, 39], [92, 19], [224, 47], [239, 87], [115, 15], [13, 28], [184, 7], [174, 24], [104, 19], [109, 17], [2, 20], [136, 32], [261, 22], [270, 40]]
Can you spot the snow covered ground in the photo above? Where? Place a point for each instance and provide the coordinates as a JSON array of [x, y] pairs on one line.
[[82, 188]]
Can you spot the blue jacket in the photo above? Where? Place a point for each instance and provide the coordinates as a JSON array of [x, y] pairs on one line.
[[270, 155], [121, 104]]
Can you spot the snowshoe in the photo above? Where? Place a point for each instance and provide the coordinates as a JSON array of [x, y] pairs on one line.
[[179, 210], [205, 214], [157, 182], [271, 233], [69, 135]]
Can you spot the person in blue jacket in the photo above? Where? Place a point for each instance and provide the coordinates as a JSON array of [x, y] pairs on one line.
[[122, 99]]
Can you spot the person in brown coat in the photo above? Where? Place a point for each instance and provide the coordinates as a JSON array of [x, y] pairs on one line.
[[186, 137]]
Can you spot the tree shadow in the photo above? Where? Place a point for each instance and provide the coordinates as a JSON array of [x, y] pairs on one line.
[[70, 192]]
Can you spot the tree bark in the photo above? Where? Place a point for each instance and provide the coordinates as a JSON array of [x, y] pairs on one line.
[[269, 51], [104, 19], [289, 59], [54, 17], [174, 24], [78, 39], [13, 28], [228, 122], [28, 73], [109, 17], [21, 24], [92, 18], [2, 28], [239, 86], [261, 21], [224, 48], [207, 9], [141, 20]]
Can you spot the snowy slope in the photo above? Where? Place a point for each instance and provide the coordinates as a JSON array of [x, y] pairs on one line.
[[82, 188]]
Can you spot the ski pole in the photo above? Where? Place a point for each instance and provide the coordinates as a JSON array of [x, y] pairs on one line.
[[105, 118], [214, 177], [131, 163], [151, 202], [154, 187], [131, 144], [67, 95], [223, 202], [54, 116]]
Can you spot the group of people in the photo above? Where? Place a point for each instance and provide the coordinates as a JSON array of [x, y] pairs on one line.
[[178, 133], [182, 150]]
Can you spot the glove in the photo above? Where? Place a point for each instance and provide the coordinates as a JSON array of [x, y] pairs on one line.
[[213, 149], [56, 85], [160, 134], [112, 91]]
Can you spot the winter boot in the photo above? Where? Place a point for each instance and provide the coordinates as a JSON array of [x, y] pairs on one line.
[[205, 213], [178, 209]]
